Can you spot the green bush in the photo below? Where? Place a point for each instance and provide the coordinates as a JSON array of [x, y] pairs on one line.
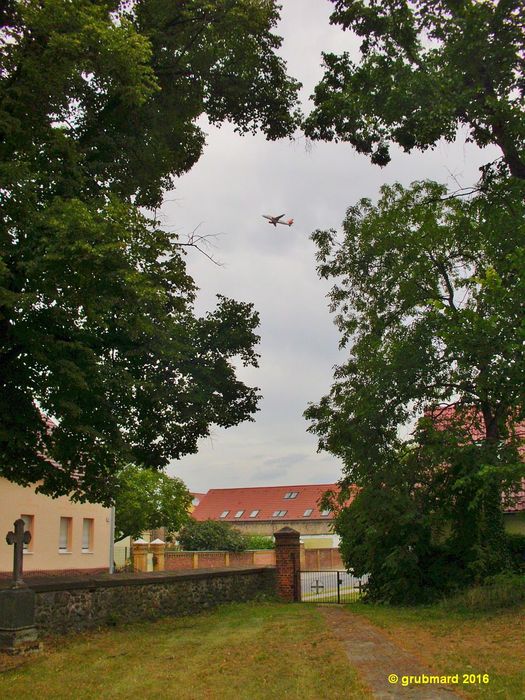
[[501, 591], [516, 547], [259, 542], [210, 535], [385, 534]]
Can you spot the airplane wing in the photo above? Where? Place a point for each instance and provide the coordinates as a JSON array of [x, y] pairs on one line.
[[267, 216]]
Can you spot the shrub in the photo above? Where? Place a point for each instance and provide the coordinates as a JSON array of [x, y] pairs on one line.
[[210, 535], [385, 534], [516, 548], [259, 542]]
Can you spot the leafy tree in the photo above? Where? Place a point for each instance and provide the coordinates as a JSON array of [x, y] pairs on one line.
[[427, 66], [146, 499], [391, 532], [429, 294], [211, 535], [98, 109]]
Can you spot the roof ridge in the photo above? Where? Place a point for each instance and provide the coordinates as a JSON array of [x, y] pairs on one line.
[[284, 486]]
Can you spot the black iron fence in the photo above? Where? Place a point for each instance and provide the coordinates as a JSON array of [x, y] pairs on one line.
[[331, 586]]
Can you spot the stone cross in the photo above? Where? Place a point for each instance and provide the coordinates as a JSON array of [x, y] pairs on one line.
[[19, 538]]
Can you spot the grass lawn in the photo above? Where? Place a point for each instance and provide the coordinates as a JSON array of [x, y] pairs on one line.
[[461, 642], [247, 651]]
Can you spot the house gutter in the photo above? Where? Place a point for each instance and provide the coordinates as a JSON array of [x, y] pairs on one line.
[[112, 540]]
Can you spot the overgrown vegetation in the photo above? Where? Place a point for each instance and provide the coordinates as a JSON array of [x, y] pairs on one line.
[[498, 592], [428, 290], [209, 535], [516, 550]]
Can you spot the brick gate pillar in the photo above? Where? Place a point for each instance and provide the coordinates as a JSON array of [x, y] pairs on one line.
[[288, 563]]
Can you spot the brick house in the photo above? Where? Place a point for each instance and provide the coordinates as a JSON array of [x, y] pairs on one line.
[[262, 510]]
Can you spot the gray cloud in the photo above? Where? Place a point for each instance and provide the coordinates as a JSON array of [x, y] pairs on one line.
[[237, 180]]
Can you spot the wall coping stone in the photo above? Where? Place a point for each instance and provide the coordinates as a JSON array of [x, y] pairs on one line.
[[59, 583]]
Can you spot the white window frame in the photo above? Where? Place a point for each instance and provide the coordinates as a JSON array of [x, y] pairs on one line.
[[91, 529], [69, 524]]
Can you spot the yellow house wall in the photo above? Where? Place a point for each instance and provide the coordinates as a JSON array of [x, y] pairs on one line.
[[304, 527], [44, 555]]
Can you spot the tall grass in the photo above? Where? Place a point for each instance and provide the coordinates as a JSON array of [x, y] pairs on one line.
[[502, 591]]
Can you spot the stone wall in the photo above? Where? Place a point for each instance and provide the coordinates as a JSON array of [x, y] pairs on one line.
[[68, 605]]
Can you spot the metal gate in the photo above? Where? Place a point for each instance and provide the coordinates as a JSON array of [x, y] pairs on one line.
[[331, 586]]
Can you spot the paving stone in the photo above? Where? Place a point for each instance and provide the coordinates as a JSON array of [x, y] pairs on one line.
[[375, 657]]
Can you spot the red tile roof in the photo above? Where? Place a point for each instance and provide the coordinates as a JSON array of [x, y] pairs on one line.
[[473, 421], [266, 500]]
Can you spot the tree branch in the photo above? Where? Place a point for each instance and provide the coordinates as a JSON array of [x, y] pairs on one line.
[[194, 241], [446, 279]]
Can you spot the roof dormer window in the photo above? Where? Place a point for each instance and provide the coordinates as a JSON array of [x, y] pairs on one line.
[[224, 513], [291, 494], [239, 513], [308, 512], [279, 513], [254, 513]]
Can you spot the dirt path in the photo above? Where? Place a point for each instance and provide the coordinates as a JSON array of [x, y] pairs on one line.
[[376, 658]]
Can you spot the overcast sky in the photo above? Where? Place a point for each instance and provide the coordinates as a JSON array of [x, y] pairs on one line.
[[236, 181]]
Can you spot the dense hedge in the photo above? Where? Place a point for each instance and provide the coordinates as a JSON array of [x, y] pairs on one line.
[[210, 535]]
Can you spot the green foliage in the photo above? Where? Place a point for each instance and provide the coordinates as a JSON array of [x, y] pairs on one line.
[[428, 293], [390, 533], [516, 548], [498, 592], [210, 535], [98, 109], [259, 542], [414, 84], [146, 499]]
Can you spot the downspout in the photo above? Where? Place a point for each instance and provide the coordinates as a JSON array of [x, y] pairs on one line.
[[112, 540]]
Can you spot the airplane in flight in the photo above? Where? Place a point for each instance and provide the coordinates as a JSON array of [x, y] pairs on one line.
[[277, 220]]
